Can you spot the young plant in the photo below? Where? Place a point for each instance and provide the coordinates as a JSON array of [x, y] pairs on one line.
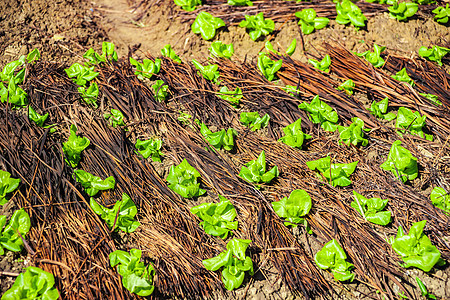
[[412, 122], [161, 90], [291, 90], [373, 57], [218, 218], [321, 113], [440, 198], [289, 51], [240, 2], [255, 170], [292, 209], [13, 94], [81, 74], [333, 257], [13, 71], [432, 98], [372, 209], [347, 86], [223, 138], [120, 216], [136, 276], [293, 135], [442, 14], [415, 248], [401, 163], [209, 72], [309, 20], [234, 263], [108, 54], [73, 147], [206, 25], [336, 174], [12, 234], [423, 290], [147, 68], [33, 56], [90, 94], [257, 25], [93, 184], [150, 147], [115, 118], [379, 110], [434, 54], [402, 11], [268, 67], [253, 120], [323, 65], [403, 76], [348, 12], [33, 284], [167, 51], [7, 185], [233, 97], [353, 134], [220, 49], [183, 180], [188, 5]]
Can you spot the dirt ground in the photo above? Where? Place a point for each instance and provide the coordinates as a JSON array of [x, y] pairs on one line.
[[63, 30]]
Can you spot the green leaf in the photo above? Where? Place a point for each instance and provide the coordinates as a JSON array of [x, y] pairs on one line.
[[33, 56], [150, 147], [347, 87], [206, 25], [322, 113], [403, 76], [108, 52], [9, 69], [220, 49], [81, 74], [11, 235], [257, 26], [147, 68], [442, 14], [411, 122], [223, 138], [434, 54], [231, 96], [374, 57], [73, 147], [253, 120], [348, 12], [379, 109], [183, 180], [441, 199], [209, 72], [309, 21], [161, 90], [293, 135], [268, 67], [240, 2], [297, 205], [401, 163], [255, 170], [93, 184], [13, 94], [353, 134], [402, 11], [90, 94], [323, 65], [336, 173], [333, 257], [188, 5], [432, 98], [167, 51], [115, 118], [7, 185], [423, 290], [371, 209]]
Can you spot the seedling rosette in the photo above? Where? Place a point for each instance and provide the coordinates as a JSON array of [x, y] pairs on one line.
[[74, 146], [161, 90], [257, 26], [150, 147], [293, 208], [183, 180], [255, 170], [293, 135], [379, 110], [115, 118], [403, 76], [220, 139], [321, 113], [168, 52], [401, 163], [93, 184], [240, 2], [335, 174], [147, 68], [353, 134], [348, 12], [372, 209], [347, 86], [81, 74], [233, 97], [13, 94], [323, 65], [309, 20], [373, 57], [402, 11], [90, 94], [220, 49], [435, 53], [7, 185], [11, 235], [412, 122], [441, 199], [253, 120], [268, 67], [188, 5], [442, 14], [333, 257], [209, 72], [206, 25]]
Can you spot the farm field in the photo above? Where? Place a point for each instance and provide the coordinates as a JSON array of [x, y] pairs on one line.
[[141, 156]]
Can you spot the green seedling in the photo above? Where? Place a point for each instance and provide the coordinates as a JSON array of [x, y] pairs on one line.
[[442, 14], [268, 67], [293, 135], [13, 71], [415, 248], [33, 56], [389, 2], [353, 134], [323, 65], [167, 51], [12, 235], [435, 53], [81, 74], [209, 72], [233, 97], [108, 52], [136, 276], [372, 209], [253, 120], [74, 146], [379, 110], [93, 184], [7, 185], [403, 76], [402, 11], [348, 12], [321, 113], [440, 198], [291, 48], [291, 90], [120, 216], [218, 218], [185, 118], [147, 68], [424, 2], [240, 2], [257, 26], [150, 147], [333, 257], [373, 57], [188, 5], [309, 20], [90, 94], [161, 90], [183, 180], [220, 139], [335, 174], [115, 118], [255, 170], [34, 284], [293, 208], [347, 86], [93, 57], [412, 122], [35, 117], [432, 98], [13, 94], [234, 262], [401, 163], [219, 49], [423, 290], [206, 25]]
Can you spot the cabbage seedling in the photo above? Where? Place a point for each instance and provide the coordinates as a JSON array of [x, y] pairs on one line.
[[209, 72], [240, 2], [220, 49], [7, 185], [336, 174], [183, 180], [435, 53], [293, 135], [150, 147], [323, 65], [333, 257], [234, 263], [353, 134], [233, 97], [12, 234], [292, 209], [373, 57], [309, 20], [403, 76], [115, 118], [347, 87], [412, 122], [161, 90], [442, 14], [321, 113], [372, 209], [441, 199], [255, 170], [268, 67], [401, 163], [348, 12], [402, 11], [253, 120], [167, 51], [206, 25], [223, 138], [93, 184], [379, 110], [257, 26], [188, 5], [73, 147], [147, 68]]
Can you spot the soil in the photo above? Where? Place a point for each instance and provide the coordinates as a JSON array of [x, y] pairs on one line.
[[63, 30]]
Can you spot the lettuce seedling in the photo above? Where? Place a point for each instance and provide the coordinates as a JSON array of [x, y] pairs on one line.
[[373, 57], [255, 170], [379, 110], [402, 11], [292, 209], [10, 69], [372, 209], [348, 12], [336, 174], [35, 117], [291, 48], [136, 276], [291, 90], [440, 198], [442, 14], [234, 263], [120, 216], [7, 185], [353, 134], [403, 76], [33, 284], [108, 51], [321, 113], [147, 68], [12, 234], [73, 147], [90, 94], [150, 147], [233, 97], [432, 98], [188, 5], [415, 248], [81, 74], [220, 49], [33, 56], [412, 122], [93, 184], [323, 65], [93, 58], [293, 135], [218, 218], [167, 51], [401, 163], [223, 138], [257, 26], [183, 180], [13, 94], [206, 25], [309, 20], [240, 2], [333, 257], [161, 90], [115, 118], [253, 120], [436, 53], [423, 290], [209, 72], [347, 86], [268, 67]]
